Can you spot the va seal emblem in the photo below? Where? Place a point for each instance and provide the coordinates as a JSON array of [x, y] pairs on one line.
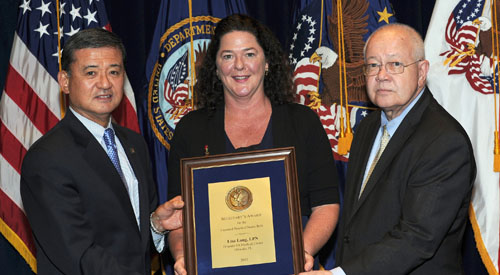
[[239, 198], [170, 93]]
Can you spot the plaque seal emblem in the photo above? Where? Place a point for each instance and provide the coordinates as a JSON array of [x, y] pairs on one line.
[[239, 198]]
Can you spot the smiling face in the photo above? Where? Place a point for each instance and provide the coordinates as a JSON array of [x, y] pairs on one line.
[[95, 83], [241, 65], [394, 92]]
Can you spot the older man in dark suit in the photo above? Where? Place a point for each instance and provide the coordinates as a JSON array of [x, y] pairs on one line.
[[86, 185], [410, 172]]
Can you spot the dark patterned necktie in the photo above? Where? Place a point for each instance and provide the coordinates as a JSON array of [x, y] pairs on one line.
[[109, 139]]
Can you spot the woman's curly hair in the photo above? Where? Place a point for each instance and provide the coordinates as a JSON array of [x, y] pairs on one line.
[[278, 85]]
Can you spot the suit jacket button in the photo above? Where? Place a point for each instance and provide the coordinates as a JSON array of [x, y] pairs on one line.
[[346, 239]]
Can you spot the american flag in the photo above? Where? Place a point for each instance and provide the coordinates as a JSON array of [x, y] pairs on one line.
[[177, 90], [305, 79], [306, 76], [462, 36], [476, 108], [31, 102]]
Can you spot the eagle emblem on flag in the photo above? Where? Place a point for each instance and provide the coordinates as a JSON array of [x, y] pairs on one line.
[[316, 68], [468, 35], [170, 86]]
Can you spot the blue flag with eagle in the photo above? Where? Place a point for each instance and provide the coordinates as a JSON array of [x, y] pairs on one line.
[[169, 72], [314, 54]]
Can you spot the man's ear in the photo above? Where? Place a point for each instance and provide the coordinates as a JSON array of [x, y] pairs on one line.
[[423, 69], [63, 80]]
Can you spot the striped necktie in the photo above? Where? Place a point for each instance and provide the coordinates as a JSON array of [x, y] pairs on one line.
[[109, 140], [383, 143]]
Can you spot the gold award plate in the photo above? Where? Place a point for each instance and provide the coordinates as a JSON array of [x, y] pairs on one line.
[[241, 225]]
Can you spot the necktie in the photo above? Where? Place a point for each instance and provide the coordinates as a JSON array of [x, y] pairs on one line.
[[383, 143], [109, 139]]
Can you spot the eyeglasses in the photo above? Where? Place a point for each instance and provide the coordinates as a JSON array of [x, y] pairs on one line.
[[395, 67]]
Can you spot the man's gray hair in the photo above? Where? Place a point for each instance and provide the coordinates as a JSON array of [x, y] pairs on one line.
[[415, 38]]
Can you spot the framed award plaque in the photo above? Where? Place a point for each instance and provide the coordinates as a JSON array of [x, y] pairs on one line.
[[242, 213]]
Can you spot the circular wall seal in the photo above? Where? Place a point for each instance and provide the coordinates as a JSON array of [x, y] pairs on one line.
[[170, 85]]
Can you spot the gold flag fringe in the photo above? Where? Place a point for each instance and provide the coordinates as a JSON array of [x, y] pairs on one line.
[[345, 138]]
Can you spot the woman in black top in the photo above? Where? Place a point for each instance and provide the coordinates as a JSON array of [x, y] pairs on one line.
[[245, 102]]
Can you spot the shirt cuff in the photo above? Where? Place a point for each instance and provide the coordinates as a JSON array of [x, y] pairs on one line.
[[158, 240], [337, 271]]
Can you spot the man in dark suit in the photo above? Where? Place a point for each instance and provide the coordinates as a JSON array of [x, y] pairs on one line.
[[89, 194], [410, 173]]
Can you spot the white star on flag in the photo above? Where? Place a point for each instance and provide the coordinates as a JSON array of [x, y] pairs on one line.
[[72, 31], [90, 17], [25, 6], [61, 9], [44, 8], [42, 29], [75, 12]]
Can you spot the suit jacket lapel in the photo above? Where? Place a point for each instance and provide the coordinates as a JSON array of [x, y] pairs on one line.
[[358, 159], [366, 146], [136, 165], [99, 161], [404, 131]]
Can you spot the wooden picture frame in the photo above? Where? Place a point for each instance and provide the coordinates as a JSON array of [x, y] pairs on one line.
[[238, 207]]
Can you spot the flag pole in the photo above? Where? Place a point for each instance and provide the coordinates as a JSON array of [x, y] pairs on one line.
[[495, 52], [62, 97], [314, 95], [192, 63]]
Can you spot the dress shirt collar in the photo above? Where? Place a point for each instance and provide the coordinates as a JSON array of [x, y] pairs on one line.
[[393, 125], [94, 128]]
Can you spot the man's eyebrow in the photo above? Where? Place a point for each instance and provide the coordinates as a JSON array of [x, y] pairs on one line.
[[90, 67], [389, 56], [96, 66]]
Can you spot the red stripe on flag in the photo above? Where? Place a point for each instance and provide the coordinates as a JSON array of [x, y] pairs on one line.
[[306, 81], [14, 217], [108, 27], [10, 148], [125, 115], [24, 96], [306, 69]]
